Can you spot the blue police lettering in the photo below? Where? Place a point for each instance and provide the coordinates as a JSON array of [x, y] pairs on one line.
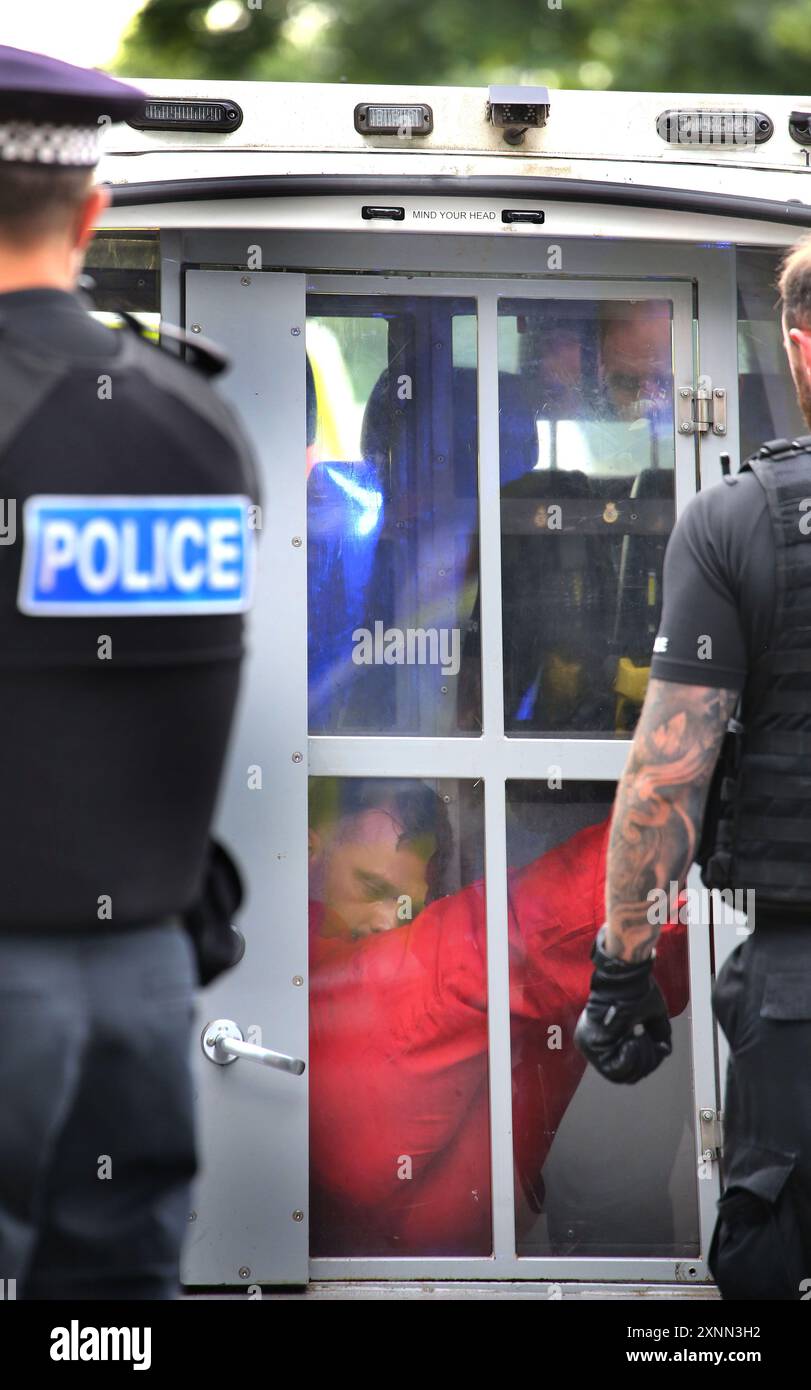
[[136, 555]]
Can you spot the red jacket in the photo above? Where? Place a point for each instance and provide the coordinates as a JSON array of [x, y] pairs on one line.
[[399, 1112]]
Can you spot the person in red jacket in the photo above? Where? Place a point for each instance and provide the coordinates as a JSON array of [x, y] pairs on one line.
[[399, 1108]]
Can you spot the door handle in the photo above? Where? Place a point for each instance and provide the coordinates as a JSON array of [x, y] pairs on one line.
[[223, 1042]]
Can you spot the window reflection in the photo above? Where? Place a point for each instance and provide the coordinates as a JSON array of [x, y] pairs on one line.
[[392, 511], [585, 517], [399, 1101], [399, 1098], [768, 403], [634, 1192], [122, 273]]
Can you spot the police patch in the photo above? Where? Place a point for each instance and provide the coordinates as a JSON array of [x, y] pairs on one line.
[[136, 556]]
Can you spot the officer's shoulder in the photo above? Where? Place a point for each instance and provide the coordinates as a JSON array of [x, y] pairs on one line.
[[727, 497], [187, 380], [717, 517], [203, 356]]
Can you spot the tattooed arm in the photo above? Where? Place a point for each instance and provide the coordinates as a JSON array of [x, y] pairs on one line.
[[660, 806]]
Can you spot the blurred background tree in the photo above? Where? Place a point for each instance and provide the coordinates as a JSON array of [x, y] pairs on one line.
[[633, 45]]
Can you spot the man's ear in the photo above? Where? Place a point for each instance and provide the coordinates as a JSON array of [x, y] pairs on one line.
[[90, 214], [315, 846], [801, 338]]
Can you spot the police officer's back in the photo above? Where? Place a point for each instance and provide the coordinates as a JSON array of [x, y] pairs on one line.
[[124, 574]]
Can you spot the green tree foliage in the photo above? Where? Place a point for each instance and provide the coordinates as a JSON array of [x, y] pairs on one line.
[[634, 45]]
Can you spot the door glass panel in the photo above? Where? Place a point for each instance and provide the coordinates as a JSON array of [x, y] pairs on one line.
[[124, 268], [634, 1192], [767, 401], [587, 449], [399, 1099], [392, 513]]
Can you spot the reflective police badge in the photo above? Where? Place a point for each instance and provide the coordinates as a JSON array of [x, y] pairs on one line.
[[136, 555]]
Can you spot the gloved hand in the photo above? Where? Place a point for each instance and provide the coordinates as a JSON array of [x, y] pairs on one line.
[[624, 1030]]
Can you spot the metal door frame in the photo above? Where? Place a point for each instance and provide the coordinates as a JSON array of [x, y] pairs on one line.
[[497, 759], [252, 1119], [492, 755]]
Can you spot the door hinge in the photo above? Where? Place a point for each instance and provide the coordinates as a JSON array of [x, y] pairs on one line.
[[702, 408], [710, 1123]]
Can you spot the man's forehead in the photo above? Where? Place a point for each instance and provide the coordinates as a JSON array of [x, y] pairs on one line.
[[371, 826]]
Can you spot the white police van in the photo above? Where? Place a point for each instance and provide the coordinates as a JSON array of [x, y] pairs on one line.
[[488, 345]]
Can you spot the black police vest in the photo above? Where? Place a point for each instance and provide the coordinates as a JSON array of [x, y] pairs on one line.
[[115, 724], [757, 829]]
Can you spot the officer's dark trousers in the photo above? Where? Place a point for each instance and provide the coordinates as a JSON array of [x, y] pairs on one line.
[[762, 998], [96, 1124]]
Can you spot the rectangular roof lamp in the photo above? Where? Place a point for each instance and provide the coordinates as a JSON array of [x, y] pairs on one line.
[[191, 113], [713, 128]]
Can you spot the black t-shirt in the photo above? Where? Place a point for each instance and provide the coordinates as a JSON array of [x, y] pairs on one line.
[[111, 767], [719, 588]]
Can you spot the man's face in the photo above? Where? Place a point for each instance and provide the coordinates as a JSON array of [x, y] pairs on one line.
[[367, 877], [635, 365], [799, 373]]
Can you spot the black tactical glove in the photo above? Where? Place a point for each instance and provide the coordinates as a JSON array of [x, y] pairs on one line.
[[624, 1030]]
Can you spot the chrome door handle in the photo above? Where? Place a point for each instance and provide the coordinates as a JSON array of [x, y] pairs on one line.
[[223, 1042]]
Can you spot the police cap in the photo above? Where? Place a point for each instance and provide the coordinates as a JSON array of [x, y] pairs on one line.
[[52, 113]]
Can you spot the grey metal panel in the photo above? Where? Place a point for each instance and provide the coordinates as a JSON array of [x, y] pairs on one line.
[[364, 756], [458, 1290], [705, 1087], [718, 359], [333, 215], [502, 1165], [253, 1121], [687, 1270], [453, 254], [505, 287], [171, 279]]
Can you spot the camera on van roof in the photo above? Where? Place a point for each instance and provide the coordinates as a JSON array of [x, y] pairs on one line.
[[516, 109]]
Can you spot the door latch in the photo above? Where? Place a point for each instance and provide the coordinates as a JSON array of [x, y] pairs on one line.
[[223, 1043]]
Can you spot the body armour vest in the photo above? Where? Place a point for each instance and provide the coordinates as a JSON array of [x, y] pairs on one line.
[[758, 821], [123, 585]]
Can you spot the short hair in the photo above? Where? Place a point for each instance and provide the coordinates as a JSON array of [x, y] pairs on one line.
[[794, 284], [418, 809], [37, 201]]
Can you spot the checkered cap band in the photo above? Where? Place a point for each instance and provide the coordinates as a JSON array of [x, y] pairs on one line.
[[30, 142]]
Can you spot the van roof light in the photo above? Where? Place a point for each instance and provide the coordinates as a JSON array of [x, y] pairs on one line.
[[177, 113], [700, 126]]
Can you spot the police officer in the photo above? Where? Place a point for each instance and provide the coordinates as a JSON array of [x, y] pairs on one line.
[[731, 673], [125, 569]]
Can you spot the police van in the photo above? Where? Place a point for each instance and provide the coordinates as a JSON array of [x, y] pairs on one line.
[[488, 343]]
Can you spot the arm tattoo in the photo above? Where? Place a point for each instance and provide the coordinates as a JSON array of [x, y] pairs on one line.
[[660, 805]]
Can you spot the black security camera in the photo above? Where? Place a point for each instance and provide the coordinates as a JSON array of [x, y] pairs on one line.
[[515, 109]]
